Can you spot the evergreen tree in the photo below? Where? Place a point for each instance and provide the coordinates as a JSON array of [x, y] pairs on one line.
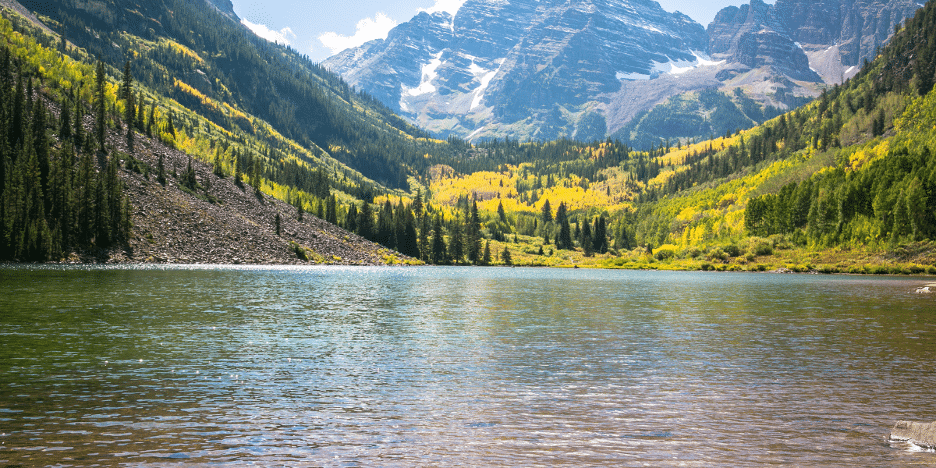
[[352, 218], [217, 169], [65, 124], [385, 226], [486, 259], [456, 245], [78, 134], [170, 126], [365, 222], [473, 234], [410, 245], [140, 121], [100, 105], [151, 120], [126, 90], [418, 204], [438, 256], [586, 240], [547, 212], [425, 248], [505, 256], [600, 236], [399, 225], [503, 216], [331, 210], [161, 170], [564, 238]]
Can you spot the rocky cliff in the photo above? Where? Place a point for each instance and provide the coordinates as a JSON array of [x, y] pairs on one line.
[[544, 69], [801, 38], [520, 67]]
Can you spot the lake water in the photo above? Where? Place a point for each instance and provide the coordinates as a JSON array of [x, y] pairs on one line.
[[436, 366]]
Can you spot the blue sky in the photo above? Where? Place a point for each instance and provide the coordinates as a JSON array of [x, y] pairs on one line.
[[322, 28]]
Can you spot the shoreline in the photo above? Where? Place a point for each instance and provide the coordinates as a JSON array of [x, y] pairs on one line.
[[931, 272]]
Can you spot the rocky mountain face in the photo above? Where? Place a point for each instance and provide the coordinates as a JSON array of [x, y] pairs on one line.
[[542, 69], [520, 67], [801, 38], [224, 6]]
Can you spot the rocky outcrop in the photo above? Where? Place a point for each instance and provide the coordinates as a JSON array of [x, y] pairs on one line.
[[224, 6], [754, 36], [921, 434], [806, 39]]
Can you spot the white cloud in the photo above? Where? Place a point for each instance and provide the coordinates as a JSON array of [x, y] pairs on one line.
[[449, 6], [368, 29], [284, 36]]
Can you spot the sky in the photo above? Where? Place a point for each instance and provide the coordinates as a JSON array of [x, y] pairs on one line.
[[320, 28]]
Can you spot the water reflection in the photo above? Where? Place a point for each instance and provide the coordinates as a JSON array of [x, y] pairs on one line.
[[432, 366]]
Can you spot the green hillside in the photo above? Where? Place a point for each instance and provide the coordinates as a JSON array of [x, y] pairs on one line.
[[841, 184]]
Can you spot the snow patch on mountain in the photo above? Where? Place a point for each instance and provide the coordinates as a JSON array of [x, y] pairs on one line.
[[672, 67], [428, 73], [484, 77]]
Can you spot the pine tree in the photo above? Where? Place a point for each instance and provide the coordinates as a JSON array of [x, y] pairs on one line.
[[126, 89], [78, 134], [600, 235], [547, 212], [456, 245], [409, 244], [100, 105], [438, 255], [65, 124], [365, 222], [385, 226], [151, 120], [564, 238], [399, 225], [586, 239], [161, 170], [331, 210], [140, 121], [505, 256], [217, 169], [473, 234], [425, 248], [418, 204], [352, 218], [486, 259]]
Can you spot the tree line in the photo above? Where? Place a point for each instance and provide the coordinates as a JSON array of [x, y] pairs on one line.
[[59, 188]]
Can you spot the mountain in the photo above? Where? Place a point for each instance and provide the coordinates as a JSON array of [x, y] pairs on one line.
[[199, 54], [521, 68], [585, 69], [802, 39], [85, 178]]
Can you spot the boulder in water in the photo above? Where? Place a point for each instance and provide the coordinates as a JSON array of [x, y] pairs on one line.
[[921, 434]]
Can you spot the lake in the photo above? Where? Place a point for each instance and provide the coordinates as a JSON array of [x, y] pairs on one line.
[[433, 366]]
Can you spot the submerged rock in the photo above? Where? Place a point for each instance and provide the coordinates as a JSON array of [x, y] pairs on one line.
[[921, 434]]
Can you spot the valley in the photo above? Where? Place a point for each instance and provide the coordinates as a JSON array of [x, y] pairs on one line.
[[318, 171]]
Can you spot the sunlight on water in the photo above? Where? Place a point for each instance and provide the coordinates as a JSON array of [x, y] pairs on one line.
[[459, 366]]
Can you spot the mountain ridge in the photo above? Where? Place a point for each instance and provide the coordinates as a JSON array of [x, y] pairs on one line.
[[567, 70]]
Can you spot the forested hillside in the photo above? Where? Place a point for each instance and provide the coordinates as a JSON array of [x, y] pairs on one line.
[[844, 182], [190, 52]]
